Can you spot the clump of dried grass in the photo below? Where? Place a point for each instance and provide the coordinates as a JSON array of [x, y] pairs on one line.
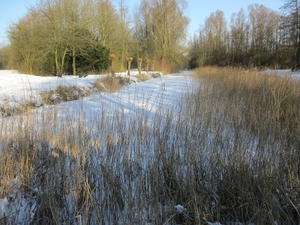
[[142, 77], [155, 75], [64, 93], [111, 83], [6, 111]]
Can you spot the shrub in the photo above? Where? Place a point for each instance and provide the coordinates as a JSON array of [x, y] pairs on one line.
[[124, 81], [64, 93]]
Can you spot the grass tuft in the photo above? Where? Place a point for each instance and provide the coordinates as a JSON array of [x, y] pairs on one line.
[[142, 77], [111, 83], [64, 93], [155, 75]]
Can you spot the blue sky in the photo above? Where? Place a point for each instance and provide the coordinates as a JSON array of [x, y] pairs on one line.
[[197, 10]]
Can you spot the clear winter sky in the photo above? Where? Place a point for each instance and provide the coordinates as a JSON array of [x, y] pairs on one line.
[[197, 10]]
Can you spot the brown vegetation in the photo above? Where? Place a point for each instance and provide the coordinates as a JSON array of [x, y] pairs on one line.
[[63, 94]]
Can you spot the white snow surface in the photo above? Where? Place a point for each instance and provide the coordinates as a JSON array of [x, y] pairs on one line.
[[294, 74], [3, 207]]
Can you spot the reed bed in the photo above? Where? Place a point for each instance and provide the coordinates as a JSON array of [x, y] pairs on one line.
[[227, 151]]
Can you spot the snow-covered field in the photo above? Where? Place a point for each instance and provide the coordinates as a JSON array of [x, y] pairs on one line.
[[18, 88], [136, 105], [146, 97]]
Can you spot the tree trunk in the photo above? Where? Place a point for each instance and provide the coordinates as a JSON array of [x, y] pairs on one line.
[[153, 62], [129, 64], [140, 67], [74, 62], [56, 63]]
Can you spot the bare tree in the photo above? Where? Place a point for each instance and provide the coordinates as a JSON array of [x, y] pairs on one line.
[[106, 24], [27, 42], [124, 29], [162, 29], [57, 40], [110, 27], [213, 41], [292, 23], [239, 30], [251, 41], [263, 29]]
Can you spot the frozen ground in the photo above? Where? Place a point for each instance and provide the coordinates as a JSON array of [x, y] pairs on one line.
[[18, 88], [295, 75]]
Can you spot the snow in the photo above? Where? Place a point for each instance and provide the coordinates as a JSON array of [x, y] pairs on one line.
[[3, 207], [180, 209], [21, 88], [294, 74]]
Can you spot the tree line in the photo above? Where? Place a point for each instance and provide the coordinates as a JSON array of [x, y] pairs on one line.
[[77, 36], [259, 38]]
